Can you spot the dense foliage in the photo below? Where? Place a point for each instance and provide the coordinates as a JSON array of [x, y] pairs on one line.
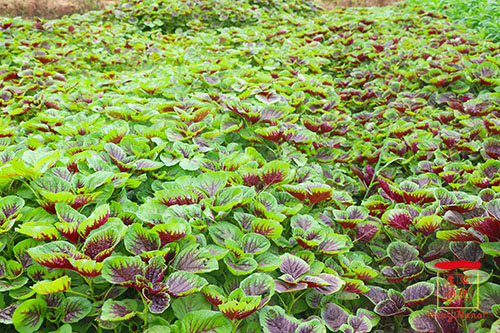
[[480, 15], [247, 166]]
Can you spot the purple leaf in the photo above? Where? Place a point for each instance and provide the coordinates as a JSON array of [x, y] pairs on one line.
[[274, 320], [155, 269], [181, 283], [376, 294], [293, 265], [418, 293], [334, 316], [158, 302], [401, 253], [6, 314]]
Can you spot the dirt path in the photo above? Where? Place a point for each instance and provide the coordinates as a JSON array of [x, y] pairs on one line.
[[50, 8]]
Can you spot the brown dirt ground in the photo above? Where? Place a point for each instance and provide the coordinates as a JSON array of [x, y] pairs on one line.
[[57, 8], [49, 9]]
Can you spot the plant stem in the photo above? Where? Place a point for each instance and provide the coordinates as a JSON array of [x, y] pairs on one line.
[[294, 300], [281, 300], [236, 323], [80, 294], [145, 313]]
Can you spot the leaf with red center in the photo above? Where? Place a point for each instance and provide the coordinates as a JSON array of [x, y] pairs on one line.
[[195, 260], [492, 148], [86, 267], [213, 294], [11, 206], [318, 192], [29, 316], [123, 270], [358, 324], [269, 228], [297, 191], [101, 242], [367, 231], [275, 172], [250, 176], [417, 293], [310, 238], [289, 288], [354, 286], [98, 218], [39, 230], [363, 272], [239, 305], [118, 310], [464, 203], [175, 229], [401, 253], [271, 133], [177, 196], [335, 244], [273, 319], [182, 283], [392, 191], [51, 287], [460, 235], [427, 224], [139, 239], [83, 199], [54, 255], [313, 281], [350, 217], [69, 230], [487, 226]]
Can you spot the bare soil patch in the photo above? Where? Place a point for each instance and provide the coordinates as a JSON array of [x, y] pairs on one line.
[[50, 9]]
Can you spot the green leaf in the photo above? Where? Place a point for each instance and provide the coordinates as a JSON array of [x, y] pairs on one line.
[[118, 310], [51, 287], [184, 305], [29, 316], [74, 309], [206, 321]]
